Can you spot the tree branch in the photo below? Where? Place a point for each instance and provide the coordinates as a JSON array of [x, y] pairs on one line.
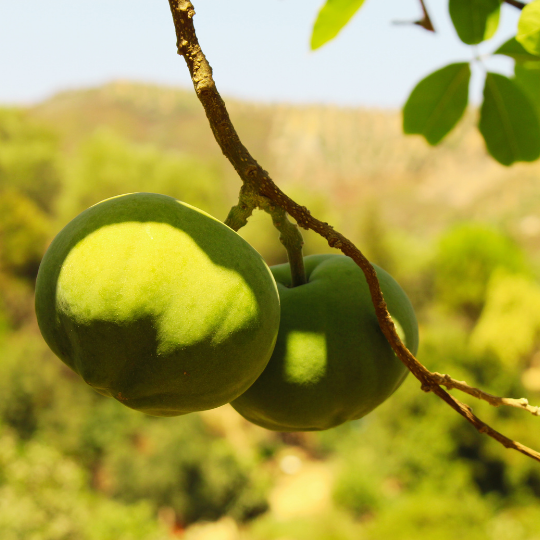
[[482, 427], [522, 403], [255, 178]]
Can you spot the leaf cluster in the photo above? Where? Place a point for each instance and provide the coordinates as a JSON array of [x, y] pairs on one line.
[[509, 117]]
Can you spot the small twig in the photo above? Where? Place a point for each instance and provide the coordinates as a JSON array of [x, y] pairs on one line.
[[239, 214], [515, 3], [258, 180], [482, 427], [424, 22], [521, 403]]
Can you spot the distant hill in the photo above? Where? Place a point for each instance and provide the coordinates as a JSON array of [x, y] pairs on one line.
[[343, 163]]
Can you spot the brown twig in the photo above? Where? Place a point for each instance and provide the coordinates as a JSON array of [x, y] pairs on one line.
[[482, 427], [516, 3], [522, 403], [256, 178], [424, 22]]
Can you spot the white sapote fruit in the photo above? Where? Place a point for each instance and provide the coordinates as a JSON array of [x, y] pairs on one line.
[[331, 363], [157, 304]]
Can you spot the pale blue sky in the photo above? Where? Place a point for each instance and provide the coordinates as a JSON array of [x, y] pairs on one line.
[[259, 49]]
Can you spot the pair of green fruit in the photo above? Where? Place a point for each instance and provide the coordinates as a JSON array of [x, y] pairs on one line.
[[164, 308]]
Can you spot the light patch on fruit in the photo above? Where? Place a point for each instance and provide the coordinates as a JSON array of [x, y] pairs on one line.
[[305, 361], [134, 285]]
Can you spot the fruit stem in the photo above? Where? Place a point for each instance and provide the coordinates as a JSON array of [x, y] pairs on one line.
[[296, 262], [292, 240]]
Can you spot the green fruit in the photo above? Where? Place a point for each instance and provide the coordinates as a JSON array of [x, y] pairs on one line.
[[331, 362], [157, 304]]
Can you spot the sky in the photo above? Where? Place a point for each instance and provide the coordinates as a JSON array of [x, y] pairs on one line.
[[259, 50]]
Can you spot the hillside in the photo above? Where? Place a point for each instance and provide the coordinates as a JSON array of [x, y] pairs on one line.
[[351, 158]]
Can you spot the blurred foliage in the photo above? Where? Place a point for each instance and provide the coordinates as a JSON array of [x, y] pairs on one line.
[[333, 526], [77, 466], [509, 326], [24, 231], [467, 256], [183, 467], [16, 301], [173, 463], [29, 158], [107, 165], [44, 495]]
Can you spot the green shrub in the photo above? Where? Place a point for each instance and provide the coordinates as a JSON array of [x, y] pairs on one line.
[[29, 158], [467, 255], [24, 231], [106, 165], [509, 326], [177, 463], [44, 496]]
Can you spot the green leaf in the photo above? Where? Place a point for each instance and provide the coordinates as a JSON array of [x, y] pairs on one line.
[[437, 102], [508, 121], [475, 20], [528, 33], [527, 76], [333, 16], [514, 49]]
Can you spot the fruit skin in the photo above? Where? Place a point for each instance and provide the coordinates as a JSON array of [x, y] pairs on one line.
[[331, 362], [157, 304]]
